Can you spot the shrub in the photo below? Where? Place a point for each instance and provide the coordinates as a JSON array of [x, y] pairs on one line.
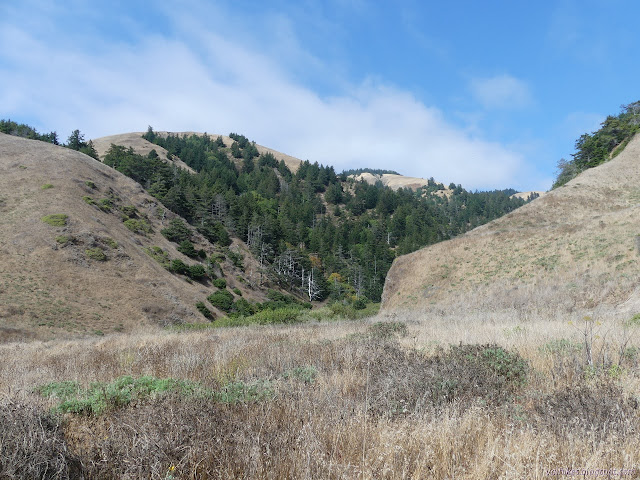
[[348, 311], [63, 239], [56, 219], [289, 314], [138, 226], [220, 283], [237, 291], [196, 272], [129, 210], [88, 200], [159, 256], [403, 381], [105, 204], [243, 307], [111, 242], [601, 409], [202, 308], [221, 299], [179, 267], [95, 254], [236, 258], [90, 184], [360, 304], [177, 231], [186, 248], [101, 396], [386, 330], [305, 374], [46, 186]]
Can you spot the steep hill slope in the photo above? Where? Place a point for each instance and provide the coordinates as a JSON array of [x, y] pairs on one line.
[[576, 248], [89, 273]]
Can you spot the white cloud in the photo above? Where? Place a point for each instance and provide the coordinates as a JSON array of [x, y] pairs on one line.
[[502, 92], [201, 81]]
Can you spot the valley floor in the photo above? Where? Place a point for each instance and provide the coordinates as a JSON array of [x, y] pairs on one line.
[[429, 395]]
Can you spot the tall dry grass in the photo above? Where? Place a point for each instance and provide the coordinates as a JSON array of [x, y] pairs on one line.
[[382, 404]]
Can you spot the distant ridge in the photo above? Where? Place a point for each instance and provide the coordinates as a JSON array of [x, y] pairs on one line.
[[143, 147]]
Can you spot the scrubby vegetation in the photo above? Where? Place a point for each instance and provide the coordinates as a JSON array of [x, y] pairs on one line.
[[338, 400], [56, 219]]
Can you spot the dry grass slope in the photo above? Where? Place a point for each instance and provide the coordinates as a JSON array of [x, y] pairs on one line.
[[86, 273], [575, 249]]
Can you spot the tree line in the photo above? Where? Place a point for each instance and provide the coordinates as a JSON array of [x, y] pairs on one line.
[[593, 149]]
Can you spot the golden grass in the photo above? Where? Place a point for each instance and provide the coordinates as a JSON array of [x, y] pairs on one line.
[[339, 426]]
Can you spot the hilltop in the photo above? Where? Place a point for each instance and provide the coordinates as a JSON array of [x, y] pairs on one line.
[[574, 249], [143, 147]]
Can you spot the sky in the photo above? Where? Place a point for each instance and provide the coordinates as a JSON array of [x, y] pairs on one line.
[[489, 95]]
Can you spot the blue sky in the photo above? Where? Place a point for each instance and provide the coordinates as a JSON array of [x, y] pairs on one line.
[[486, 94]]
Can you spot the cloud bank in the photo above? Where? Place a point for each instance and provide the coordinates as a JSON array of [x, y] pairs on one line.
[[195, 79]]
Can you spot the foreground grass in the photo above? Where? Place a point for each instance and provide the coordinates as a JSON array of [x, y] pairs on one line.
[[359, 399]]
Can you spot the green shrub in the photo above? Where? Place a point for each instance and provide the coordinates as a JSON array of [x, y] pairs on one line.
[[305, 374], [237, 291], [159, 256], [129, 210], [179, 267], [243, 307], [111, 242], [138, 226], [360, 304], [236, 258], [95, 254], [220, 283], [196, 272], [105, 204], [56, 219], [186, 248], [101, 396], [88, 200], [348, 311], [177, 231], [90, 184], [289, 314], [63, 239], [202, 308], [221, 299], [561, 347], [505, 364], [46, 186]]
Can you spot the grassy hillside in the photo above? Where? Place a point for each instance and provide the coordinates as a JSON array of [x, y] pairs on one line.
[[77, 239], [573, 249]]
